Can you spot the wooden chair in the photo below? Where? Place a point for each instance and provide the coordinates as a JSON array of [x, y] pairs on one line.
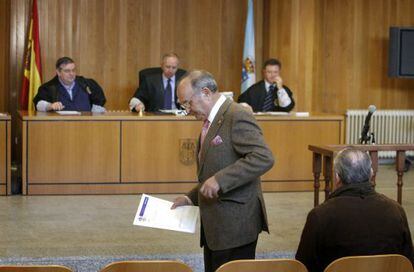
[[373, 263], [264, 265], [34, 268], [147, 266]]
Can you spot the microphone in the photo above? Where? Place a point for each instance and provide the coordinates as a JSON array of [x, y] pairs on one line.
[[364, 134]]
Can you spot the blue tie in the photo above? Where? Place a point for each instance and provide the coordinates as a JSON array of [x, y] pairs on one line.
[[168, 95], [268, 102]]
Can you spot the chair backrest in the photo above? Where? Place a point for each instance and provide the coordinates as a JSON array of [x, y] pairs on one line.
[[263, 265], [154, 70], [373, 263], [147, 266], [34, 268]]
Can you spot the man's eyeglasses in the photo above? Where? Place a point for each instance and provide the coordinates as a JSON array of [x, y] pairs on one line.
[[185, 105]]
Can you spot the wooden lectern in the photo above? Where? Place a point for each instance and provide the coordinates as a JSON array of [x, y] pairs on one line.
[[326, 153]]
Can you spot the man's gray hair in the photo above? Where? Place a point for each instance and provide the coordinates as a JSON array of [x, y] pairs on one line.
[[353, 166], [200, 79]]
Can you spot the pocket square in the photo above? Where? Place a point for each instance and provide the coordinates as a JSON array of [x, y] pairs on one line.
[[217, 140]]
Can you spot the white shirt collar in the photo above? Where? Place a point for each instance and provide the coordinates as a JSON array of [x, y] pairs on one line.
[[67, 87], [267, 85], [216, 108], [165, 79]]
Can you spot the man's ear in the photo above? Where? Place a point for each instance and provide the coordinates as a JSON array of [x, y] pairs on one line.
[[206, 91], [337, 181]]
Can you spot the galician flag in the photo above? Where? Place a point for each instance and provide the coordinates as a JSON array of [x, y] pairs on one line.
[[32, 74], [249, 65]]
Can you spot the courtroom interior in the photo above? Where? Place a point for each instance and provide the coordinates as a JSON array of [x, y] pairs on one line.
[[240, 109]]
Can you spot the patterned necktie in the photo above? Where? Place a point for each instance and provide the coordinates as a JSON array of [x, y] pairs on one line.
[[168, 95], [204, 131], [269, 100]]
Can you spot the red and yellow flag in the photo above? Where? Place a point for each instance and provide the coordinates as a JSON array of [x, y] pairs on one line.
[[32, 75]]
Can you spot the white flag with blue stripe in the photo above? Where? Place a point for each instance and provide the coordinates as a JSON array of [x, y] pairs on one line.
[[249, 62]]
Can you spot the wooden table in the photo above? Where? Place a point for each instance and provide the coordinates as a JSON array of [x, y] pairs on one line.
[[123, 153], [324, 154], [5, 151]]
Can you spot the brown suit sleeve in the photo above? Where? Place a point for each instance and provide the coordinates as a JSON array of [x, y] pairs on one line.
[[255, 156], [193, 195]]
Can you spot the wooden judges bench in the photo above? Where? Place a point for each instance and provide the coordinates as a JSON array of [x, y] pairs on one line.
[[124, 153], [5, 158]]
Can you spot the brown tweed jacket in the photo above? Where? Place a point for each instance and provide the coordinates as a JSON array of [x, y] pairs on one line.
[[235, 153]]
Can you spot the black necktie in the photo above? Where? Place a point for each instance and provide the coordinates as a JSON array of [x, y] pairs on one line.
[[269, 99], [168, 96]]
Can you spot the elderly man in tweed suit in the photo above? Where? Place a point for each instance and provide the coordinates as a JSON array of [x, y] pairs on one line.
[[232, 157]]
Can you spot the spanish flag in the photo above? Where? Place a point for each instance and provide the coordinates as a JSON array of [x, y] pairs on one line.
[[32, 75]]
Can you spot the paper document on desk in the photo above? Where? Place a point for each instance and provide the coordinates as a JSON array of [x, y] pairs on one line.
[[280, 113], [68, 112], [156, 213]]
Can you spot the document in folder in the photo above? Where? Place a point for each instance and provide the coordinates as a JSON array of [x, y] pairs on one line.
[[156, 213]]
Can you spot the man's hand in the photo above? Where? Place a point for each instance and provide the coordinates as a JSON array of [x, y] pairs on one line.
[[210, 188], [57, 106], [279, 82], [180, 201], [139, 107]]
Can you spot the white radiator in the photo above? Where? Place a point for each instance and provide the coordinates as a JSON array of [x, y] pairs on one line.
[[389, 127]]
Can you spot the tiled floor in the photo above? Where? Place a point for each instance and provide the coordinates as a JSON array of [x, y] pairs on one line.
[[57, 226]]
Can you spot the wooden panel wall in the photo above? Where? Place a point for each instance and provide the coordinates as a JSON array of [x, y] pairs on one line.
[[335, 52], [4, 53], [111, 40]]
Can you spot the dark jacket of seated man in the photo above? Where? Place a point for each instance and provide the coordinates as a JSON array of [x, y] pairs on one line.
[[255, 96], [151, 91], [85, 93], [269, 94], [158, 88], [355, 220]]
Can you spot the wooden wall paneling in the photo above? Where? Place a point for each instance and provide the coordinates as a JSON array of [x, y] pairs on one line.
[[318, 60], [3, 157], [112, 40], [293, 160], [338, 53], [357, 56], [151, 151], [335, 53], [19, 11], [232, 29], [293, 34], [54, 150], [398, 91], [4, 54], [259, 28], [9, 188]]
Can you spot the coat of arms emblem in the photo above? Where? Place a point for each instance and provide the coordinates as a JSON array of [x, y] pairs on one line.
[[188, 151]]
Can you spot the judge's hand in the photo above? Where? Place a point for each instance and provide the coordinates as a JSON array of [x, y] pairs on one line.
[[139, 107], [279, 82], [246, 106], [210, 188], [57, 106], [180, 201]]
